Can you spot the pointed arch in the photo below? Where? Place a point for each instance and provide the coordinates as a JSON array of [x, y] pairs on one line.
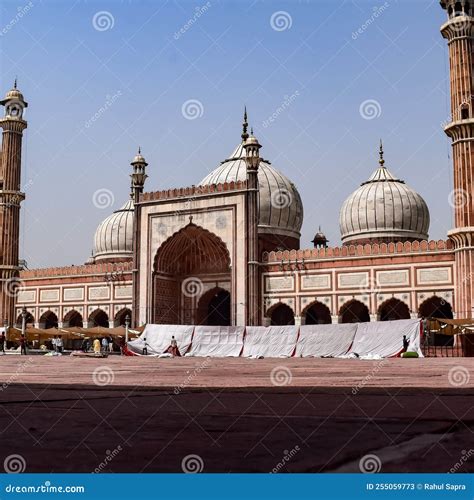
[[214, 308], [435, 307], [281, 314], [99, 317], [121, 316], [48, 320], [393, 309], [192, 249], [73, 319], [354, 311], [316, 313]]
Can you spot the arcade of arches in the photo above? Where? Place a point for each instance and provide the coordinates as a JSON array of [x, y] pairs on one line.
[[355, 311], [186, 262]]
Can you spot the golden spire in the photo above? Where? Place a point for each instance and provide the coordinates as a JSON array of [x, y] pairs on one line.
[[245, 125], [381, 160]]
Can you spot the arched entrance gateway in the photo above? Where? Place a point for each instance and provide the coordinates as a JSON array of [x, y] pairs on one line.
[[187, 264]]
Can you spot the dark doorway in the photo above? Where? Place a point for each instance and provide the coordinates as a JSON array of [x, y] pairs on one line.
[[214, 308], [354, 312], [393, 309], [282, 315], [318, 314]]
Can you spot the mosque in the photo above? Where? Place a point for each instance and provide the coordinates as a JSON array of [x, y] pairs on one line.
[[226, 251]]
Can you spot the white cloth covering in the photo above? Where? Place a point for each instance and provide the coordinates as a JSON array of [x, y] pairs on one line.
[[383, 339], [270, 341], [158, 339], [325, 340], [217, 341]]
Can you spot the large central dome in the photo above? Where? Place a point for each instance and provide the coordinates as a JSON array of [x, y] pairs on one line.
[[280, 206], [383, 209]]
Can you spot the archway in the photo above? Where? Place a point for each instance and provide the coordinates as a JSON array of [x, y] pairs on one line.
[[393, 309], [30, 320], [121, 316], [354, 312], [183, 265], [48, 320], [214, 308], [99, 318], [281, 314], [73, 319], [435, 307], [317, 314]]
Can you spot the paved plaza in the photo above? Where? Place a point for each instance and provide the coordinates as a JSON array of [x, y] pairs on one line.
[[219, 415]]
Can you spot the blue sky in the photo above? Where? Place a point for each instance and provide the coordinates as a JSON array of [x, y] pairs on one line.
[[134, 63]]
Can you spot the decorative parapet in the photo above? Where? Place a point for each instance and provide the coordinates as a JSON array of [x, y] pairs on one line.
[[84, 270], [374, 249], [192, 191]]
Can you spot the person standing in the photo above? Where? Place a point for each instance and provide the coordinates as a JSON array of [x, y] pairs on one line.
[[23, 345], [3, 341], [145, 348], [111, 344], [105, 345], [59, 344], [96, 345]]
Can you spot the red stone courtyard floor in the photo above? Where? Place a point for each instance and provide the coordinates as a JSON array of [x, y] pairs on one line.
[[308, 415]]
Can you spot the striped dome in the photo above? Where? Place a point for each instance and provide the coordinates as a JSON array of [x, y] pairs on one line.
[[384, 208], [280, 206], [114, 237]]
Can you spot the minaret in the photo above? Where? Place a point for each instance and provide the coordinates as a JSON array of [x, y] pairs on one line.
[[252, 160], [138, 177], [10, 198], [459, 31]]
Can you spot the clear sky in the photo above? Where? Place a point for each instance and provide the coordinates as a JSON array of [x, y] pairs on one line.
[[103, 77]]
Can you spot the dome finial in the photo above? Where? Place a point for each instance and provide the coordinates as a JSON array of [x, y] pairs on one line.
[[381, 160], [245, 125], [14, 84], [139, 150]]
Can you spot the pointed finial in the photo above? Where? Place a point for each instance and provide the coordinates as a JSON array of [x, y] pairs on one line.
[[381, 160], [251, 131], [190, 219], [245, 125], [139, 150], [14, 84]]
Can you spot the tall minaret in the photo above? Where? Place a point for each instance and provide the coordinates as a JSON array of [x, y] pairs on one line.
[[459, 31], [10, 198], [252, 159]]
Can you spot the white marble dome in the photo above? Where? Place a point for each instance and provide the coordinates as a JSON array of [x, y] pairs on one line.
[[280, 206], [383, 208], [114, 237]]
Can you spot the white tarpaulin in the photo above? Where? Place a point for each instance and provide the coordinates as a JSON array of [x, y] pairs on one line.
[[270, 341], [158, 339], [217, 341], [385, 338], [325, 340]]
